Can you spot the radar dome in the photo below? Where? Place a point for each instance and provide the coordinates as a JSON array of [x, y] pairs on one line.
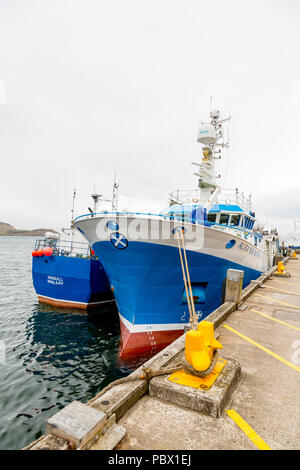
[[206, 134], [215, 114]]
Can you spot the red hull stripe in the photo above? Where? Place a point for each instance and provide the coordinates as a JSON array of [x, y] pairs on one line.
[[135, 344], [66, 303]]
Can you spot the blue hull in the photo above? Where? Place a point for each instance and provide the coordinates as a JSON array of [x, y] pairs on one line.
[[149, 288], [70, 282], [148, 283]]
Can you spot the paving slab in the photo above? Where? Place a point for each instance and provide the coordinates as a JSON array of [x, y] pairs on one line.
[[76, 423]]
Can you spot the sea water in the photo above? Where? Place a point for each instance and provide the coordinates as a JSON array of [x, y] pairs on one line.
[[48, 356]]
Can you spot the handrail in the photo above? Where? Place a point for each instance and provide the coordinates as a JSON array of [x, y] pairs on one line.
[[258, 235], [226, 194], [64, 247], [62, 241], [116, 213]]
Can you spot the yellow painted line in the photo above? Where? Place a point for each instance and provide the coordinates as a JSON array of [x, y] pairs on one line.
[[278, 301], [255, 438], [287, 363], [283, 290], [283, 282], [275, 319]]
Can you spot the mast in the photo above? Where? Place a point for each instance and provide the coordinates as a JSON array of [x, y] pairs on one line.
[[96, 197], [72, 218], [73, 206], [114, 201], [211, 136]]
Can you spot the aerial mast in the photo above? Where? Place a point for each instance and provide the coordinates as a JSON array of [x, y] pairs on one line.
[[114, 201], [73, 206], [210, 135], [96, 197]]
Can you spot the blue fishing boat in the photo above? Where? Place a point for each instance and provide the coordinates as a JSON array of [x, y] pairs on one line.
[[143, 253], [67, 273]]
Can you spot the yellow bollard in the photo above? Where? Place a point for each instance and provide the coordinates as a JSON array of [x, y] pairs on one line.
[[280, 268], [200, 346], [294, 254]]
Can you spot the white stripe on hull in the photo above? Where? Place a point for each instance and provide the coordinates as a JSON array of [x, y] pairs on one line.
[[143, 328]]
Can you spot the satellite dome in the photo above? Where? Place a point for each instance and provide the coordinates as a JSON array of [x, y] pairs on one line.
[[206, 134]]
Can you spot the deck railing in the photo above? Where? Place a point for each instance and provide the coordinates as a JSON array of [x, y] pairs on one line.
[[225, 196], [65, 247]]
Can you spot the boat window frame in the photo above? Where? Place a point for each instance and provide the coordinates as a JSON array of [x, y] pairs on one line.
[[239, 220], [224, 214], [212, 214]]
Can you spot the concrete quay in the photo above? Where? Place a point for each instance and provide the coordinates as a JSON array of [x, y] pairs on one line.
[[260, 333]]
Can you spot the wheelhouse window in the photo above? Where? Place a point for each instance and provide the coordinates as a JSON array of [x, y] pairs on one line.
[[179, 216], [224, 218], [211, 218], [235, 219]]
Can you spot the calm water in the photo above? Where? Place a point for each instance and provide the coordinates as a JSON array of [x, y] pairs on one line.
[[52, 356]]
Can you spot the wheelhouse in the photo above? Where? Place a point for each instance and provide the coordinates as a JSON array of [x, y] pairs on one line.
[[230, 216], [220, 215]]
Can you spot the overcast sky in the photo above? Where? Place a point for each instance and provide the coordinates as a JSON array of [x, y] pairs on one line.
[[90, 86]]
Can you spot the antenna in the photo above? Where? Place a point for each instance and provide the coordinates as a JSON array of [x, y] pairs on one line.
[[73, 206], [114, 201]]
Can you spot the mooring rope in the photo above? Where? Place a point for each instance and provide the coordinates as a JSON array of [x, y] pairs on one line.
[[194, 322], [184, 279], [148, 374], [187, 280]]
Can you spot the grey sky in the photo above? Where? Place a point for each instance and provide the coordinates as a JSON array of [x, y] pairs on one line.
[[93, 86]]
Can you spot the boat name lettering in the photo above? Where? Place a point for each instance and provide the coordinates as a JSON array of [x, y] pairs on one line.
[[58, 281], [249, 249]]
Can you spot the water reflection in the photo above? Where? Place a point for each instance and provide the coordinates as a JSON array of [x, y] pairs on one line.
[[62, 357]]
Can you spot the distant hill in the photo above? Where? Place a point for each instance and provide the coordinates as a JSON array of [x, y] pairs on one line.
[[8, 229]]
